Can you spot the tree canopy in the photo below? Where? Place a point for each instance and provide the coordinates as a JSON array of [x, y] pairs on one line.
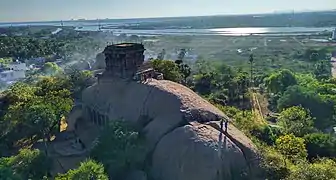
[[292, 147], [278, 82], [296, 120], [169, 69], [28, 164], [87, 170], [120, 148]]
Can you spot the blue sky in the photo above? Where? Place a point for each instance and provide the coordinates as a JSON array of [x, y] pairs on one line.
[[38, 10]]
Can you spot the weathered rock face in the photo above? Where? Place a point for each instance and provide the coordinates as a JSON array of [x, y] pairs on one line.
[[100, 62], [170, 115], [192, 152], [136, 175]]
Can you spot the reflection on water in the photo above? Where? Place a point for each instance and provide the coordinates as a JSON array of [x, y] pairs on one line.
[[276, 31], [246, 30]]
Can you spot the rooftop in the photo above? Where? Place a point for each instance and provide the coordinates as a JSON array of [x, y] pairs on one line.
[[125, 46]]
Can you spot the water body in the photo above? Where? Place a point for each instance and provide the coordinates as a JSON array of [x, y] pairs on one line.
[[274, 31], [111, 26]]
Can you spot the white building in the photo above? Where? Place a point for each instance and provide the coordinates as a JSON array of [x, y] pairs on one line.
[[17, 66], [17, 70], [333, 37]]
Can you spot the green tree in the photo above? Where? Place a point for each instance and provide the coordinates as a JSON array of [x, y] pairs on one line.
[[320, 145], [322, 109], [28, 164], [79, 80], [205, 83], [292, 147], [274, 164], [185, 71], [322, 70], [19, 92], [46, 84], [169, 69], [51, 68], [88, 170], [34, 112], [324, 169], [278, 82], [266, 134], [120, 149], [296, 120], [6, 173]]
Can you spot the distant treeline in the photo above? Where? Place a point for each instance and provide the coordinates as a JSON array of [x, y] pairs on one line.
[[307, 19]]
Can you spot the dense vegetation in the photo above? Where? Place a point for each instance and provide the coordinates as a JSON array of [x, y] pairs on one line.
[[292, 147], [295, 136]]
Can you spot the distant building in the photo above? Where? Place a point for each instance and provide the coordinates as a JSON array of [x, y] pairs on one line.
[[333, 37], [16, 70], [17, 66]]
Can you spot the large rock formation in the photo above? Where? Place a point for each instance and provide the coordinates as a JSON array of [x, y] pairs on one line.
[[100, 62], [181, 128]]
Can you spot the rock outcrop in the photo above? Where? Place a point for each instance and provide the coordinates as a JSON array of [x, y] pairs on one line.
[[100, 62], [181, 128]]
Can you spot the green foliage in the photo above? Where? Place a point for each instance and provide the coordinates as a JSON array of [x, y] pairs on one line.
[[314, 54], [51, 68], [322, 109], [120, 148], [291, 147], [79, 80], [266, 134], [244, 120], [6, 173], [274, 164], [185, 71], [296, 120], [19, 92], [278, 82], [88, 170], [324, 169], [320, 145], [224, 85], [28, 164], [322, 70], [27, 47], [204, 83], [34, 112], [169, 69], [34, 119]]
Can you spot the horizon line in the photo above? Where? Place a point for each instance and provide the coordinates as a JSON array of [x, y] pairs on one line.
[[162, 17]]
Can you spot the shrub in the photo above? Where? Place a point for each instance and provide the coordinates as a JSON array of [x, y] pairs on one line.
[[292, 147], [28, 164], [274, 164], [120, 149], [296, 120], [88, 169], [324, 169], [320, 145], [266, 134]]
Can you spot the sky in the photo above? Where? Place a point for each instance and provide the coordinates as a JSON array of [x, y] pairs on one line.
[[46, 10]]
